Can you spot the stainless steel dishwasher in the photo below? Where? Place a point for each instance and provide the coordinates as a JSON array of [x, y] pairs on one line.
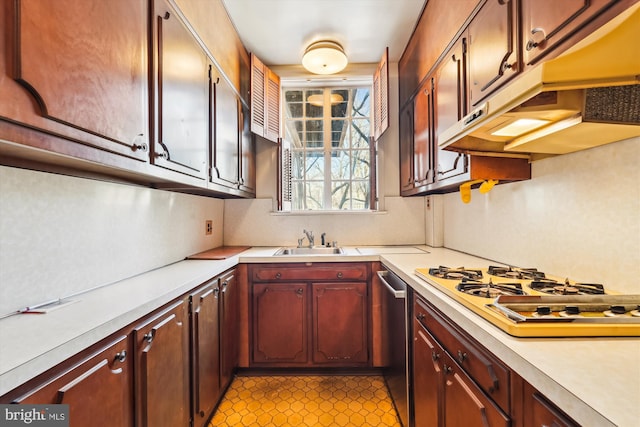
[[394, 309]]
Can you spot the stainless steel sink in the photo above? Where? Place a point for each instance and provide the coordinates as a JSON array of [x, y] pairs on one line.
[[316, 250]]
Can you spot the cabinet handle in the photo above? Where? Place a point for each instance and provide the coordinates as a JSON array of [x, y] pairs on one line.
[[136, 145], [165, 151], [121, 356], [149, 336], [339, 275], [278, 275], [447, 369], [223, 286], [216, 293], [536, 33], [167, 15], [435, 356], [421, 316], [299, 291], [462, 356]]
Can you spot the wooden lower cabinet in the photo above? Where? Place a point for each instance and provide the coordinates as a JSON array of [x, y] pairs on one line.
[[310, 315], [280, 317], [444, 395], [162, 369], [229, 327], [170, 368], [538, 411], [340, 326], [98, 388], [205, 351]]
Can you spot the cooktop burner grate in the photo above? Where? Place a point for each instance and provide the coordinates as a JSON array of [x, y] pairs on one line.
[[490, 290], [455, 273], [516, 273], [566, 288]]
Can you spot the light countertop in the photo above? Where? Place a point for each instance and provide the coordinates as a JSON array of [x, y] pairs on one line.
[[594, 380]]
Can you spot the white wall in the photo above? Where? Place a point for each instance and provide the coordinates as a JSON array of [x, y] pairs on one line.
[[579, 216], [60, 235]]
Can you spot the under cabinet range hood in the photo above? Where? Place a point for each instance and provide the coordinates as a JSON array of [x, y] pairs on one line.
[[588, 96]]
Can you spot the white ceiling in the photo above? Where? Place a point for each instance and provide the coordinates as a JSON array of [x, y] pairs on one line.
[[278, 31]]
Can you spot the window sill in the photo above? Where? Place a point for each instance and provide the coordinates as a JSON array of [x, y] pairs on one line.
[[325, 212]]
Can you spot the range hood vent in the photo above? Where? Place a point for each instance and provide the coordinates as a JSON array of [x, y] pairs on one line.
[[588, 96]]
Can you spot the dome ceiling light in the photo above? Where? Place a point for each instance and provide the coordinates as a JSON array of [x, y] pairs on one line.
[[324, 57]]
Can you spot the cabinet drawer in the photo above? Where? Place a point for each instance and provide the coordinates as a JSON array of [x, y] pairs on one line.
[[487, 371], [310, 272]]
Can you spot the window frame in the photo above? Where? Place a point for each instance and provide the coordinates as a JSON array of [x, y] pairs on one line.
[[285, 181]]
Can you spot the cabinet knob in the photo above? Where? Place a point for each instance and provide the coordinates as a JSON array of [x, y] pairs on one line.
[[299, 291], [447, 369], [278, 275], [434, 356], [339, 275], [137, 144], [163, 155], [149, 336], [462, 356], [121, 356], [538, 39], [421, 316]]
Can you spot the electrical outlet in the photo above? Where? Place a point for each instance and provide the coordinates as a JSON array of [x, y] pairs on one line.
[[209, 227]]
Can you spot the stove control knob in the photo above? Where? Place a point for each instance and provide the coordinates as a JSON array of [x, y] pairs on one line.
[[543, 310]]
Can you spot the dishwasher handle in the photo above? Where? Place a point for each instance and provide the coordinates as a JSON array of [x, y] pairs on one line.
[[397, 293]]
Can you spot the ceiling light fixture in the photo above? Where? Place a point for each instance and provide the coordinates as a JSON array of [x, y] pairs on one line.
[[318, 99], [324, 57]]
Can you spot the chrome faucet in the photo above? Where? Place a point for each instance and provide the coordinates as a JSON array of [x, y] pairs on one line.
[[310, 238]]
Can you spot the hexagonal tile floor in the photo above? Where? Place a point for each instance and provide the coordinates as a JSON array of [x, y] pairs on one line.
[[313, 400]]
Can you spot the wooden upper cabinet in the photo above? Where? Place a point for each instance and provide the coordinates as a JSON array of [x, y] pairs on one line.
[[547, 22], [405, 130], [265, 101], [492, 48], [381, 97], [98, 389], [84, 66], [423, 138], [225, 106], [182, 95], [451, 105]]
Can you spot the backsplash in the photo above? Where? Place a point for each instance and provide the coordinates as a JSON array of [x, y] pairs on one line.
[[61, 235], [579, 216]]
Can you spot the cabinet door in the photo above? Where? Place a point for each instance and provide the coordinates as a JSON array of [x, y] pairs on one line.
[[280, 323], [340, 323], [98, 389], [451, 106], [229, 331], [182, 96], [538, 411], [423, 135], [265, 101], [84, 65], [492, 48], [547, 22], [247, 154], [225, 148], [427, 377], [465, 404], [205, 351], [162, 369], [406, 150]]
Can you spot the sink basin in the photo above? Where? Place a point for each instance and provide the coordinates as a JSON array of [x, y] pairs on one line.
[[316, 250]]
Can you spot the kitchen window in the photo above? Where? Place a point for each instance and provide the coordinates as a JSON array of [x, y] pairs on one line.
[[328, 157]]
